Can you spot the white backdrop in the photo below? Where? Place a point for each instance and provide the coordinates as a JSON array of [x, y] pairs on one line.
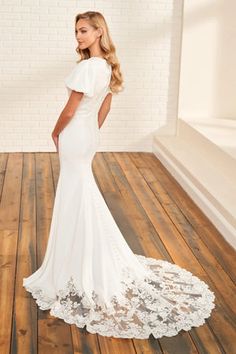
[[38, 51]]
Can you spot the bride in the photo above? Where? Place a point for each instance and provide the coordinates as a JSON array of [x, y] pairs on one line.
[[89, 276]]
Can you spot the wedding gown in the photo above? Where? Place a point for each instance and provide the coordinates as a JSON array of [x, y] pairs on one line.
[[89, 276]]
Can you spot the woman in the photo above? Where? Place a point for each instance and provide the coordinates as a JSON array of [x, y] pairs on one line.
[[89, 275]]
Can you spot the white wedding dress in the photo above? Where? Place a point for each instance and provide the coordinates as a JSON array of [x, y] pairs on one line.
[[89, 275]]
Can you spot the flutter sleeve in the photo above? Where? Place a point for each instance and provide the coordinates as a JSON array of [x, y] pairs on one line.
[[82, 78]]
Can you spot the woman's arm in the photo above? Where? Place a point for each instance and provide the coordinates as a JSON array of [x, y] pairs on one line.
[[68, 112], [104, 109]]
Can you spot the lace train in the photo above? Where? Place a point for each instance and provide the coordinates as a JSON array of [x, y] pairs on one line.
[[168, 300]]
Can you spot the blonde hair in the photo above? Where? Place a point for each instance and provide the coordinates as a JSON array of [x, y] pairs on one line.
[[97, 20]]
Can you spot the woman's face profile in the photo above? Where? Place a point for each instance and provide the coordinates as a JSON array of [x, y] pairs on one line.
[[85, 34]]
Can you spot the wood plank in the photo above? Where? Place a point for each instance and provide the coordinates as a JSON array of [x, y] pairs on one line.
[[166, 230], [84, 342], [206, 341], [202, 225], [9, 219], [179, 343], [54, 337], [24, 336], [105, 182], [3, 167], [45, 201], [54, 334], [112, 345], [147, 346]]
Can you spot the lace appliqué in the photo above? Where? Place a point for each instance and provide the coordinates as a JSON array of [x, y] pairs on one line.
[[167, 301]]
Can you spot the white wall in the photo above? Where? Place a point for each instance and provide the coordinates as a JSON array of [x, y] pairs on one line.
[[38, 51], [208, 75]]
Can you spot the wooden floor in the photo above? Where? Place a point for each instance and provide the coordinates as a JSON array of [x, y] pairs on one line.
[[158, 220]]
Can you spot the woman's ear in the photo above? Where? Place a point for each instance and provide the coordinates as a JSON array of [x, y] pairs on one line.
[[99, 30]]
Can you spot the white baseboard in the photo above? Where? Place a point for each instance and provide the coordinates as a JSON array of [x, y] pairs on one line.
[[215, 205]]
